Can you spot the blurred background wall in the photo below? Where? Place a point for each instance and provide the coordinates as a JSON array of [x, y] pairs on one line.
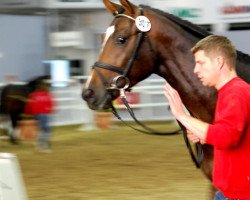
[[22, 46]]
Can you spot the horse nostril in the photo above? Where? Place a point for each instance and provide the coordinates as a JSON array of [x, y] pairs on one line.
[[87, 94]]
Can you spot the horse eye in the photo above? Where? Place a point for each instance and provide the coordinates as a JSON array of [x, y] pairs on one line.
[[121, 39]]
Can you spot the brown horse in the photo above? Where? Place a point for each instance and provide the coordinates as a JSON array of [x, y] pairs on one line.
[[135, 47], [13, 100]]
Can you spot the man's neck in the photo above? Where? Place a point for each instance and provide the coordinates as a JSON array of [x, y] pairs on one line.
[[225, 79]]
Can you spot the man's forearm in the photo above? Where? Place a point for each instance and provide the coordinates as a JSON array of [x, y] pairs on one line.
[[196, 126]]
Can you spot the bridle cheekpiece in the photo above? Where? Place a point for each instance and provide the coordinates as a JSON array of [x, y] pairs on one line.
[[143, 24]]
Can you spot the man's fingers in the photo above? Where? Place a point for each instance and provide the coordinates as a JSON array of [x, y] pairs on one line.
[[192, 137], [169, 88], [169, 91]]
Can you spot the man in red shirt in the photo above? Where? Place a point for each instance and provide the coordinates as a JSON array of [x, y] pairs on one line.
[[215, 60], [40, 104]]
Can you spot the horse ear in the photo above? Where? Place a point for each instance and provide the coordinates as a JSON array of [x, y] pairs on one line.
[[112, 7], [131, 8]]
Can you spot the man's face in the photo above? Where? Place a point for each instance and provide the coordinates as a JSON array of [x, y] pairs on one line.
[[205, 69]]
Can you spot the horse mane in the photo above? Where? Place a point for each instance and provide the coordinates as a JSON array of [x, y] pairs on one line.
[[187, 25], [195, 30]]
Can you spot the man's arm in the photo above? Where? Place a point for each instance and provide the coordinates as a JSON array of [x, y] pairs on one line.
[[196, 126]]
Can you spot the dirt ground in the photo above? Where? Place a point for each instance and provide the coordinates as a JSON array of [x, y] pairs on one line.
[[116, 164]]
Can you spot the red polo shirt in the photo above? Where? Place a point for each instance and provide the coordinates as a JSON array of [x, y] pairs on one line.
[[230, 136]]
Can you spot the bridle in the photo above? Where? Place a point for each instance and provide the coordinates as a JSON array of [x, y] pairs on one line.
[[123, 74], [121, 82]]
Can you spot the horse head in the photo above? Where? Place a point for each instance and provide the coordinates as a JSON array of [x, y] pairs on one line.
[[126, 46]]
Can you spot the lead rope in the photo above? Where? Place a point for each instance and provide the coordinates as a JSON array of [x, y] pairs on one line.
[[131, 112], [200, 155]]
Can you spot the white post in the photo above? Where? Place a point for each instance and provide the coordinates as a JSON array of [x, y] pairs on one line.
[[11, 182]]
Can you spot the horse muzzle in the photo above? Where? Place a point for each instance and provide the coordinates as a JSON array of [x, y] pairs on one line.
[[102, 99], [99, 102]]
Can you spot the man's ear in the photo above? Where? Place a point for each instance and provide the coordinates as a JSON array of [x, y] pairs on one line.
[[220, 62]]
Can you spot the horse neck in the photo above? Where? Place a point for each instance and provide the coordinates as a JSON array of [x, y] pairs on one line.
[[172, 45]]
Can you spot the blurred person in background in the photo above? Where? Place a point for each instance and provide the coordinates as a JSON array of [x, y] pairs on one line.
[[215, 60], [40, 104]]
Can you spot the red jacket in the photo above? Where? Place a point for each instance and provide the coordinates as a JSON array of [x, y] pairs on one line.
[[39, 102], [230, 136]]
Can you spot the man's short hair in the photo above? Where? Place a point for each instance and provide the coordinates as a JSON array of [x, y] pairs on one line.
[[215, 45]]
